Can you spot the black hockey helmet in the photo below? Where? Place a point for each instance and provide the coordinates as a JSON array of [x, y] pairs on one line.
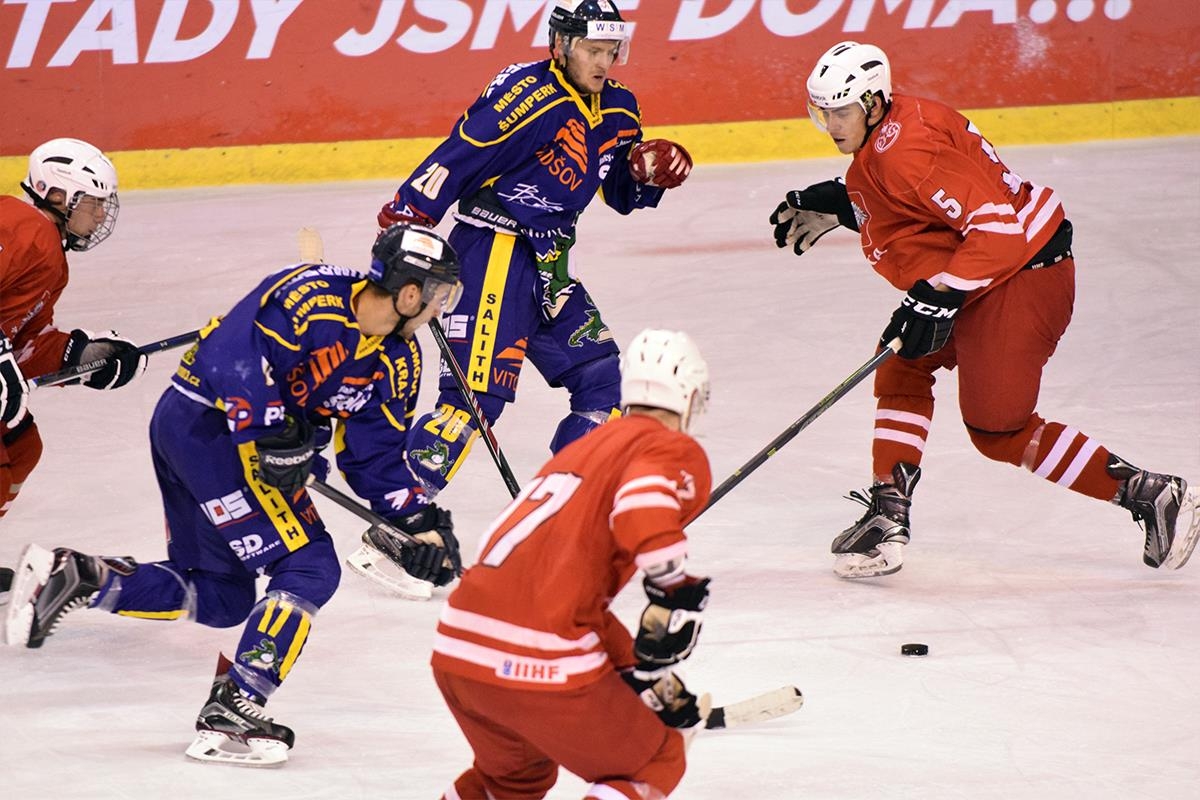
[[405, 253], [570, 18]]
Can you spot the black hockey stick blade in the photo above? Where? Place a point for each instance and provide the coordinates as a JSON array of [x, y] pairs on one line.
[[767, 706], [81, 370]]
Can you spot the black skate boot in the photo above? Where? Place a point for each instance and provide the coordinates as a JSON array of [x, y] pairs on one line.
[[873, 546], [1165, 509], [49, 585], [6, 579], [232, 729]]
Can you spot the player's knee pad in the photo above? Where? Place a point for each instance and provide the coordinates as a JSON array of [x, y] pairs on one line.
[[440, 442], [271, 642], [311, 573], [576, 424], [594, 385], [20, 453], [219, 601], [595, 388], [1005, 446]]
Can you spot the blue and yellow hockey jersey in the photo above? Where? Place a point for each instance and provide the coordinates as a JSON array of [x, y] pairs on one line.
[[293, 347], [529, 155]]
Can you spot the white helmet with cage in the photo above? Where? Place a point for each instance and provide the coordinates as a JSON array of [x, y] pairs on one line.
[[78, 170], [848, 73], [664, 369]]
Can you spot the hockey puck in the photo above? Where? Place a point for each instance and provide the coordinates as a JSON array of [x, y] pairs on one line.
[[914, 649]]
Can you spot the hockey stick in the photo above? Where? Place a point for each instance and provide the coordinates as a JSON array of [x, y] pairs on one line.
[[312, 249], [81, 370], [760, 708], [474, 409], [382, 541], [353, 506], [741, 473]]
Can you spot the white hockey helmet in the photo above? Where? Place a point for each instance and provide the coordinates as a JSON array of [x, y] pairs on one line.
[[77, 169], [848, 73], [664, 369]]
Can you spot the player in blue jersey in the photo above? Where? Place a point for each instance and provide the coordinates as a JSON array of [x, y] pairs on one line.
[[522, 163], [234, 439]]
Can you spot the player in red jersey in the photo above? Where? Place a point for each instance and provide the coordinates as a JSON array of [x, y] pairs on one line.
[[73, 190], [534, 666], [985, 259]]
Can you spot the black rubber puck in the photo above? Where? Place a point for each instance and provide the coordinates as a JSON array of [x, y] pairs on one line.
[[914, 649]]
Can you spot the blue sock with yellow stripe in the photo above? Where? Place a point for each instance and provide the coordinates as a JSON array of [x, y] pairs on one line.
[[271, 642]]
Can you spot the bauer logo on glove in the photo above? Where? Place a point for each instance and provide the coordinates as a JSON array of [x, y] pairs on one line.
[[660, 163]]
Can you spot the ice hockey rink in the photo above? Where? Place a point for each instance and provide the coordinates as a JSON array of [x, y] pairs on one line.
[[1060, 666]]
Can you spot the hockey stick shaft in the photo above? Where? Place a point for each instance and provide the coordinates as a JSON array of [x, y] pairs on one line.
[[81, 370], [353, 506], [474, 409], [840, 391]]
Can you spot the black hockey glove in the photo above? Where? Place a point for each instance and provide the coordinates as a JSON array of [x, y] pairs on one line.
[[122, 360], [436, 559], [14, 391], [664, 693], [285, 459], [924, 320], [808, 214], [670, 623]]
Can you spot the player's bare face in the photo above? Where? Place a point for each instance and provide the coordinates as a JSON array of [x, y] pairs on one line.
[[847, 126], [589, 62]]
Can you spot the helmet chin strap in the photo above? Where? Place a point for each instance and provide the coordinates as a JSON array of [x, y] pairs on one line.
[[871, 128], [60, 218]]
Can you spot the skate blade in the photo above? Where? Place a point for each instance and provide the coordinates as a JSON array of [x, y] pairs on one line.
[[1185, 537], [853, 566], [33, 570], [373, 565], [214, 747]]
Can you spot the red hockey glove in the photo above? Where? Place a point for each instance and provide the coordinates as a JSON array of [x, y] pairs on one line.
[[660, 163], [394, 212]]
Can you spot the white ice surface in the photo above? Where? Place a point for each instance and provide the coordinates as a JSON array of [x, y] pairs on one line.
[[1060, 666]]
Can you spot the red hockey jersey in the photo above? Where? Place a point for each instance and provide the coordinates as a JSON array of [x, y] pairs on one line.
[[532, 613], [33, 273], [935, 201]]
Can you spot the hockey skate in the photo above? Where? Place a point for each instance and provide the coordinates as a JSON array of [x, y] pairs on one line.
[[378, 560], [46, 587], [1165, 508], [874, 546], [6, 579], [232, 729]]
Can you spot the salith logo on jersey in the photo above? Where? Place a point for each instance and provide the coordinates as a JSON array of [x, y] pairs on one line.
[[889, 132]]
